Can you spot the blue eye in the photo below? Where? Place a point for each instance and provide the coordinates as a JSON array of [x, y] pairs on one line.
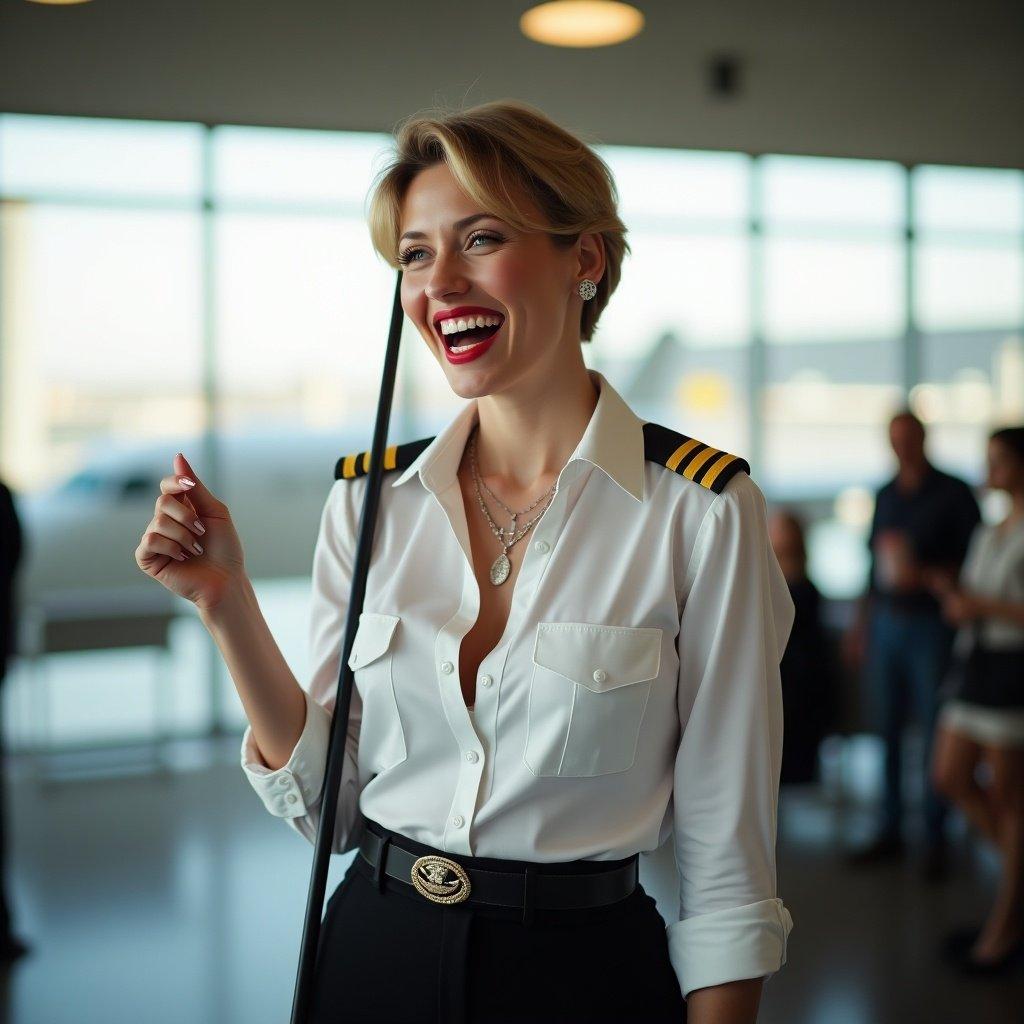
[[405, 258]]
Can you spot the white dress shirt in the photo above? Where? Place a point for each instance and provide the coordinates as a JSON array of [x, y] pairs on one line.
[[634, 693]]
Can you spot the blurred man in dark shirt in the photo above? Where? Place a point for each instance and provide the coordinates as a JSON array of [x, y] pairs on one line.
[[11, 544], [922, 524]]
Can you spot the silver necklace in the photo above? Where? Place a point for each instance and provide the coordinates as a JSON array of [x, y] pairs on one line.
[[501, 566]]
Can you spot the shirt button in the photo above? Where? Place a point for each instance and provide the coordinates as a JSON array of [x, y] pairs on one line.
[[447, 666], [291, 798], [485, 680], [283, 781], [458, 821], [600, 675], [542, 546], [472, 756]]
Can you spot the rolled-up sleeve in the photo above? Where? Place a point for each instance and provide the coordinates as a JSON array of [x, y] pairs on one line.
[[293, 791], [736, 620]]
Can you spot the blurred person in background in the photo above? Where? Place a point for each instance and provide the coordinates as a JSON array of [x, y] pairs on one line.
[[981, 722], [808, 679], [11, 545], [922, 524]]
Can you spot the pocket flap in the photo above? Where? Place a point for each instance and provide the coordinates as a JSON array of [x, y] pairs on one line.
[[599, 657], [373, 637]]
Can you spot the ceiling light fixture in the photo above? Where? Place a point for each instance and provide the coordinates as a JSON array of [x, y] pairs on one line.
[[581, 23]]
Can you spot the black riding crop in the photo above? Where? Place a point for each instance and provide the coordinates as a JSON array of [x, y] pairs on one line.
[[339, 723]]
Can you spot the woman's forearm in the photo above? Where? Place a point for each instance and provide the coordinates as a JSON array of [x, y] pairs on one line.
[[734, 1002], [994, 608], [271, 696]]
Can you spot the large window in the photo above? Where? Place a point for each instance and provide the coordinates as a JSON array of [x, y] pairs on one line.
[[675, 333], [172, 286], [833, 310], [969, 307]]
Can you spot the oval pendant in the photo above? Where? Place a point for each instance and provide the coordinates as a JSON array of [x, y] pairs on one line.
[[500, 569]]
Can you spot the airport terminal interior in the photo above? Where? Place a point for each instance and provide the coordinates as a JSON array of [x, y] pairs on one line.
[[825, 208]]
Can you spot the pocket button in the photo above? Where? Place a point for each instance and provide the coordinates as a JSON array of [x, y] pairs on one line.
[[600, 675]]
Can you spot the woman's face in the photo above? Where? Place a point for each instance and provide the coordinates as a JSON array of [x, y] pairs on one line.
[[519, 277], [1005, 472]]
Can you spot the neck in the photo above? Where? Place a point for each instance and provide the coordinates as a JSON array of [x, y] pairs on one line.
[[911, 472], [525, 439]]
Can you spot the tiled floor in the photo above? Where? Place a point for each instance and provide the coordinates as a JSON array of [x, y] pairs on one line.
[[178, 899]]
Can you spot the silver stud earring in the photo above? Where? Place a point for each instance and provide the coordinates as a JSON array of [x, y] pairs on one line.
[[587, 289]]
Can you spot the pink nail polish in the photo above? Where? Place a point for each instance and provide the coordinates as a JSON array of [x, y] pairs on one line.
[[186, 482], [199, 526]]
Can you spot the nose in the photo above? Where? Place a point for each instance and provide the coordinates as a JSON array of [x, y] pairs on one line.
[[445, 276]]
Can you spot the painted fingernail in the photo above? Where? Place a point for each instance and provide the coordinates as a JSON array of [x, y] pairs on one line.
[[197, 546], [181, 556], [186, 482], [199, 526]]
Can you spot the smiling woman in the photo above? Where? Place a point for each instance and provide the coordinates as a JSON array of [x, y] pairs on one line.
[[499, 153], [622, 667]]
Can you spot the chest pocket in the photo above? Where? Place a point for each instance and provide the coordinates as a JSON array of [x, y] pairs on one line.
[[588, 695], [381, 735]]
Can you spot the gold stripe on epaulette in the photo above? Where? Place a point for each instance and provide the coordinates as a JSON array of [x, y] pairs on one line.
[[680, 453], [358, 464], [691, 470], [691, 458], [712, 474]]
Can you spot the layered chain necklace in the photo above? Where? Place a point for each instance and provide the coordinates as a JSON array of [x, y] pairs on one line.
[[501, 567]]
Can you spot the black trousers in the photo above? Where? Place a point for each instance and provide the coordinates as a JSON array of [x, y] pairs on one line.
[[394, 957]]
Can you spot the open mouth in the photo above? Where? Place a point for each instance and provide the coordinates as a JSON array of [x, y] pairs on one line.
[[465, 340]]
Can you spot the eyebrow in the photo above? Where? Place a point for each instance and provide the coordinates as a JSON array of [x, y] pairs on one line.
[[457, 226]]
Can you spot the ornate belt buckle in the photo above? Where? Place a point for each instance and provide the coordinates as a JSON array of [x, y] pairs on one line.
[[430, 878]]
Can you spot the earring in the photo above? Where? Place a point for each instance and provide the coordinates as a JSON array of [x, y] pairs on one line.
[[587, 289]]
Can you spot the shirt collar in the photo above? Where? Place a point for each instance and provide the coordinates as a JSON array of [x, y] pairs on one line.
[[613, 441]]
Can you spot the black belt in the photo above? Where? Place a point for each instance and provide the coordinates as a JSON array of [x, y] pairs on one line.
[[444, 879]]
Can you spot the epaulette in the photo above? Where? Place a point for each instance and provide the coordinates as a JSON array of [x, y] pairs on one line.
[[710, 467], [396, 456]]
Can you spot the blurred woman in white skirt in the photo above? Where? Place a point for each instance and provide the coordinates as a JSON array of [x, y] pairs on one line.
[[981, 723]]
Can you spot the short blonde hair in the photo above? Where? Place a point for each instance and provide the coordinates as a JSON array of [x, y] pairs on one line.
[[497, 151]]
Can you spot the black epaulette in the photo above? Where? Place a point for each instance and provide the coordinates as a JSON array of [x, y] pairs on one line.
[[710, 467], [396, 456]]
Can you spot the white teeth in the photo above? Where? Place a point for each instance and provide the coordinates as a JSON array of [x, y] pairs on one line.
[[466, 323], [464, 348]]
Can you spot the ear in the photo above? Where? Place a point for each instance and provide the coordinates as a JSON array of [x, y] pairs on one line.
[[592, 256]]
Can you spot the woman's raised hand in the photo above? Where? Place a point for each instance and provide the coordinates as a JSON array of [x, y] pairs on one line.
[[188, 514]]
